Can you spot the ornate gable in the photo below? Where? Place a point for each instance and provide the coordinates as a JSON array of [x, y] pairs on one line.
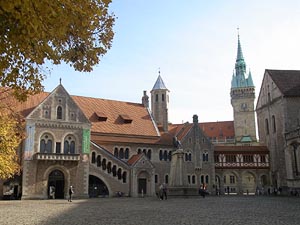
[[60, 107]]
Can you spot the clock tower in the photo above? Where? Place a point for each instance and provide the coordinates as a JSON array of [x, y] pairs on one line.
[[242, 100]]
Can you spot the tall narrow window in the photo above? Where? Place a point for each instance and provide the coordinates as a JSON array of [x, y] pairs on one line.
[[121, 153], [69, 145], [58, 147], [93, 157], [267, 126], [156, 178], [116, 152], [127, 153], [59, 113], [156, 97], [167, 179], [149, 154], [160, 155], [274, 124], [163, 97]]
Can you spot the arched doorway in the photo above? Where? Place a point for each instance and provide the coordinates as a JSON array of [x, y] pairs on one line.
[[249, 183], [57, 179], [97, 187]]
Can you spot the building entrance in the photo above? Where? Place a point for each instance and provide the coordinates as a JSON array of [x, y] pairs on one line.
[[97, 187], [57, 180]]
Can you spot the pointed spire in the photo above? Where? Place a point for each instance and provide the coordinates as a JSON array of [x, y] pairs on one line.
[[159, 84], [240, 56], [249, 80]]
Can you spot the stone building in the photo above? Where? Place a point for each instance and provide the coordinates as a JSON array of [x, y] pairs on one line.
[[278, 113], [108, 147]]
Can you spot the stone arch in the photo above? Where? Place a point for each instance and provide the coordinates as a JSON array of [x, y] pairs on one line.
[[249, 182], [230, 180], [143, 182], [46, 174], [109, 190]]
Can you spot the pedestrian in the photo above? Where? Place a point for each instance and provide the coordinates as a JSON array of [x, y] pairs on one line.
[[52, 192], [71, 192], [165, 194], [160, 192]]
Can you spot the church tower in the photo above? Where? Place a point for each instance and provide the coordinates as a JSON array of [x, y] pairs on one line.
[[242, 100], [160, 103]]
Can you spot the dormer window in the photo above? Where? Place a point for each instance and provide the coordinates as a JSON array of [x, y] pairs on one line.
[[126, 118], [59, 113], [101, 116]]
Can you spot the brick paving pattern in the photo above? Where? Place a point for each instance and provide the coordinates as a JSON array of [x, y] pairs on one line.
[[232, 210]]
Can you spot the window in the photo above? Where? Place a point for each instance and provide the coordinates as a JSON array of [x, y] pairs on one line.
[[267, 126], [189, 179], [69, 145], [193, 179], [127, 153], [167, 179], [58, 148], [93, 157], [119, 174], [139, 151], [165, 155], [163, 97], [114, 170], [248, 158], [59, 113], [273, 124], [124, 177], [160, 155], [46, 143], [232, 179], [156, 178], [109, 167], [202, 179], [116, 152], [98, 160], [205, 157], [121, 153], [156, 97], [104, 164], [206, 179], [170, 155], [149, 154]]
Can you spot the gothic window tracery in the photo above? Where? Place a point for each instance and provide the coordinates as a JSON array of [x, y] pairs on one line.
[[46, 143]]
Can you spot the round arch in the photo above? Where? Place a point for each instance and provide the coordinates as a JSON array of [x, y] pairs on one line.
[[98, 182], [249, 183]]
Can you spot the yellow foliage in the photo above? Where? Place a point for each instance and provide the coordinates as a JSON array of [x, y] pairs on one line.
[[33, 32], [11, 131]]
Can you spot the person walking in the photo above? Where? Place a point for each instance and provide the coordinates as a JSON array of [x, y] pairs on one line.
[[165, 194], [71, 191]]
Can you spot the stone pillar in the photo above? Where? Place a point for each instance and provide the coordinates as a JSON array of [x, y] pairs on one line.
[[178, 169]]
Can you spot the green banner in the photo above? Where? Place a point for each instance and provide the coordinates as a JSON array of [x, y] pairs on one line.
[[86, 137]]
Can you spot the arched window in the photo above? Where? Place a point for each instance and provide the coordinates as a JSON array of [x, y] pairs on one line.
[[202, 179], [193, 179], [139, 151], [46, 143], [114, 170], [206, 179], [93, 157], [116, 152], [121, 153], [170, 155], [165, 155], [69, 145], [145, 151], [98, 161], [124, 176], [156, 178], [109, 167], [104, 164], [127, 153], [59, 113], [149, 154], [160, 155], [119, 174], [186, 157], [267, 126], [190, 156]]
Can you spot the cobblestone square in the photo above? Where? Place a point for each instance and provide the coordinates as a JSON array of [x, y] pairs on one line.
[[223, 210]]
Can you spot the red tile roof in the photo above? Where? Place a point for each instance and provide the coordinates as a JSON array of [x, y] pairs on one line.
[[220, 129], [133, 159]]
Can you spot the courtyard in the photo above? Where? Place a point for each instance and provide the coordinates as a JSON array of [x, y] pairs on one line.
[[246, 210]]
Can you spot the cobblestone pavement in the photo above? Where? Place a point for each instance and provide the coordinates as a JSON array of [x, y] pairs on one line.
[[233, 210]]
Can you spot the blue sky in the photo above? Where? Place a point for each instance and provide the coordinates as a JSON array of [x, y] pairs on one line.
[[194, 43]]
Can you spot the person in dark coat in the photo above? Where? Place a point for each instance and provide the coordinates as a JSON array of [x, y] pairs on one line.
[[71, 191]]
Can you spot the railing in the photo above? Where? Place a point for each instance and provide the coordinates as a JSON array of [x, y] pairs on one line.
[[242, 164], [56, 156]]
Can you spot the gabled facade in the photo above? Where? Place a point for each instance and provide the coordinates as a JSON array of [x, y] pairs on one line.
[[278, 124]]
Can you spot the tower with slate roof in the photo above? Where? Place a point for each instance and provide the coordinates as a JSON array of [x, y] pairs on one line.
[[160, 103], [242, 100]]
